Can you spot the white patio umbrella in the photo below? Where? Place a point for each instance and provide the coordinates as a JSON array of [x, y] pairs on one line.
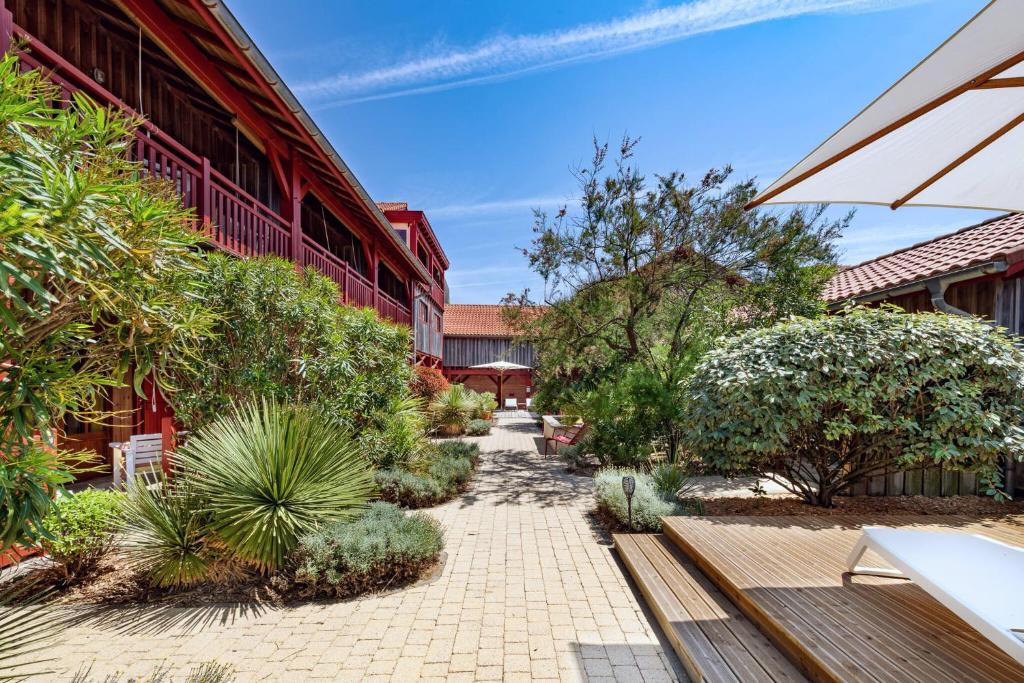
[[501, 366], [948, 133]]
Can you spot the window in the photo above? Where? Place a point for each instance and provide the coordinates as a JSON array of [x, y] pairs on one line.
[[424, 312]]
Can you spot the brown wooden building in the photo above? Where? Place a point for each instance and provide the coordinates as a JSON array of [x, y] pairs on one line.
[[978, 270]]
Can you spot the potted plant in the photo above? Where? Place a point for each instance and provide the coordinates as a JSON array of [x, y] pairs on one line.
[[487, 404], [451, 410]]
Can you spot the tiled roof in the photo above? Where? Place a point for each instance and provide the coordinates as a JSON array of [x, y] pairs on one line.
[[994, 240], [393, 206], [478, 320]]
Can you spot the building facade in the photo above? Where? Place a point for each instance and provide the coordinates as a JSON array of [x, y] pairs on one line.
[[224, 130], [477, 335], [429, 298]]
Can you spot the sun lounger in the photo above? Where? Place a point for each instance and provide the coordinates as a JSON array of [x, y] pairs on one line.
[[511, 404], [975, 577]]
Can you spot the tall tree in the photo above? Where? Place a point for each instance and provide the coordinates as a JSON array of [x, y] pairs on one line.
[[647, 272]]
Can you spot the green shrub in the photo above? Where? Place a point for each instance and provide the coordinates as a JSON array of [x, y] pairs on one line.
[[283, 335], [381, 549], [28, 480], [459, 449], [411, 490], [479, 427], [816, 405], [270, 474], [166, 532], [444, 469], [649, 506], [80, 530], [451, 472], [395, 436]]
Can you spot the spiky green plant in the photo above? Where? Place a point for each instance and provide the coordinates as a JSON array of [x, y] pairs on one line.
[[271, 473], [166, 532], [452, 407]]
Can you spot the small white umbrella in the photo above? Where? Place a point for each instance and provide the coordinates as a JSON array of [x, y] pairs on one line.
[[948, 133], [501, 366]]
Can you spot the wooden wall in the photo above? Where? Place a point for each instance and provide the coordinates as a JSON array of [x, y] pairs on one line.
[[464, 352], [97, 37]]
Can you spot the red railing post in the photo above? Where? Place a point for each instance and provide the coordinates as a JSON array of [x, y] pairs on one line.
[[205, 194]]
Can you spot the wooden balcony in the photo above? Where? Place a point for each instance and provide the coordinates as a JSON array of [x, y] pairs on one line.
[[234, 220]]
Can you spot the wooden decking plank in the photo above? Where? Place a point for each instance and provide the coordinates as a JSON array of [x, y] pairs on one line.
[[898, 634], [788, 575], [699, 656], [871, 628], [704, 615], [766, 656], [825, 649], [906, 615], [942, 634]]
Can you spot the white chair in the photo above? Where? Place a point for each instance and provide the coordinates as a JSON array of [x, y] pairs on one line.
[[973, 576], [511, 404], [141, 450], [529, 403]]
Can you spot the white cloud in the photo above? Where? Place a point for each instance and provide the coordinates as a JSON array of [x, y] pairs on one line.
[[506, 56], [497, 206]]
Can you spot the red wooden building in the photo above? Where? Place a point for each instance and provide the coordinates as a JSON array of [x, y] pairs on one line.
[[478, 335], [240, 149], [429, 299]]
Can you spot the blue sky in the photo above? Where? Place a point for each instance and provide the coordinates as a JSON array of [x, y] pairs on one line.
[[475, 111]]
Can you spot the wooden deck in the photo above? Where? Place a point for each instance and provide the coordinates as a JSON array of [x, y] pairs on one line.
[[786, 575], [715, 642]]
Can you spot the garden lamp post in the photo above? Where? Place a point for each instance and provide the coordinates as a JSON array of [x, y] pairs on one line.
[[629, 487]]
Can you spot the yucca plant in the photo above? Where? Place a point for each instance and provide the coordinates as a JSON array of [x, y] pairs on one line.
[[452, 408], [270, 473], [166, 532]]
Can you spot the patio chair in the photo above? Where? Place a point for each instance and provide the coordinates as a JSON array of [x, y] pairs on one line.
[[971, 575], [569, 435], [142, 450], [511, 404]]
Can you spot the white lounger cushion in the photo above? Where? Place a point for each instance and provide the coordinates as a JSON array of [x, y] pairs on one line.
[[975, 577]]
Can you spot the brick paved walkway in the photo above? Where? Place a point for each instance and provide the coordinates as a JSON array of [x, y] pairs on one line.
[[530, 591]]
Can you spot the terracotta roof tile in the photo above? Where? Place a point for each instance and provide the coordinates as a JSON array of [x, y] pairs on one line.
[[393, 206], [997, 239], [477, 320]]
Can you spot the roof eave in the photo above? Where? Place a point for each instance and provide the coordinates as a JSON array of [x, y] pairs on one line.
[[951, 277]]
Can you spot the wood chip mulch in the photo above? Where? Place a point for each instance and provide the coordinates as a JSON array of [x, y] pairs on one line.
[[863, 505]]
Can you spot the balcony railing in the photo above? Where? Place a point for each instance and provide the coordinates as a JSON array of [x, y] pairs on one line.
[[234, 220]]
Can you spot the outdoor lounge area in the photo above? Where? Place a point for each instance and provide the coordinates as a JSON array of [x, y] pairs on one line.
[[632, 422], [770, 598]]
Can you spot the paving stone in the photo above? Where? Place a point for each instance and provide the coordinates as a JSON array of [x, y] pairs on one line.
[[529, 592]]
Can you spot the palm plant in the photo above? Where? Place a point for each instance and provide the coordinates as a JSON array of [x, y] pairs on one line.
[[166, 532], [270, 473], [452, 408]]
